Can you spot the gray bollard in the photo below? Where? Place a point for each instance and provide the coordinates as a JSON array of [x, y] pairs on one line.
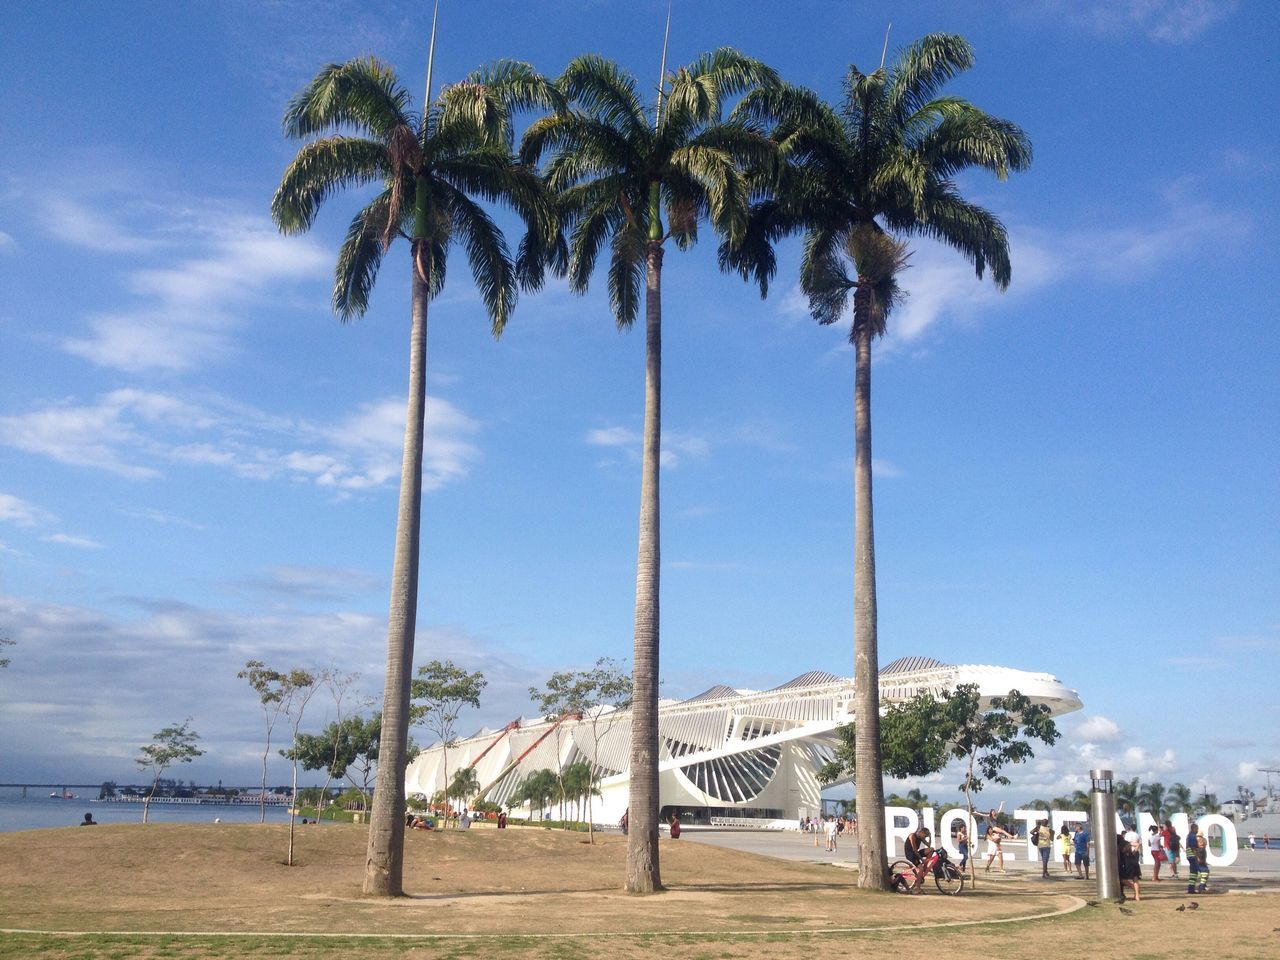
[[1102, 811]]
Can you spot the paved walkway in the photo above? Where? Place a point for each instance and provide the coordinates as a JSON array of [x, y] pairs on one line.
[[1252, 866]]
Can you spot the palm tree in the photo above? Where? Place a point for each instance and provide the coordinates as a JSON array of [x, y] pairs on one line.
[[430, 168], [1126, 792], [619, 167], [1152, 799], [883, 163], [1178, 798]]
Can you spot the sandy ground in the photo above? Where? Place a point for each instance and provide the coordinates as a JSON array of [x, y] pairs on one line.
[[520, 884]]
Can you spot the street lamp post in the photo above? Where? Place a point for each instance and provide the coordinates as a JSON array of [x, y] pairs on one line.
[[1102, 806]]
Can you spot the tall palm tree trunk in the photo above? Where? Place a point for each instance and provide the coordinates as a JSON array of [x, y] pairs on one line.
[[643, 875], [873, 869], [384, 864]]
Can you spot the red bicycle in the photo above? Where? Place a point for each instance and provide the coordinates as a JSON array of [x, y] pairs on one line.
[[947, 877]]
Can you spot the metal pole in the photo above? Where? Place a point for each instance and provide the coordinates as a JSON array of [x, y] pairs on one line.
[[1102, 811]]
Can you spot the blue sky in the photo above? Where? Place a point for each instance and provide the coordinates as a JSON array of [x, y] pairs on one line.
[[198, 463]]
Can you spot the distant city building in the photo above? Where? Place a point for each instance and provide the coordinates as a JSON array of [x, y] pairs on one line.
[[724, 753]]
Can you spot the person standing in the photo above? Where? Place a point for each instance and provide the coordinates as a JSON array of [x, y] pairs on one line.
[[1198, 865], [1065, 847], [831, 834], [1174, 844], [675, 826], [1081, 843], [996, 835], [962, 844]]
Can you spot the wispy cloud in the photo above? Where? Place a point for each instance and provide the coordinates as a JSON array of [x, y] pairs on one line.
[[159, 516], [75, 222], [7, 244], [66, 539], [21, 512], [140, 434], [1165, 21], [186, 309], [942, 287], [675, 446], [295, 584]]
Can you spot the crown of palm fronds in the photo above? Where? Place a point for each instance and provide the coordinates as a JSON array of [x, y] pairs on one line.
[[430, 168], [887, 154], [628, 174]]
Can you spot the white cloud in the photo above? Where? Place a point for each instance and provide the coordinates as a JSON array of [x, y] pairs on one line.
[[1097, 729], [7, 244], [20, 512], [883, 469], [138, 434], [90, 436], [66, 539]]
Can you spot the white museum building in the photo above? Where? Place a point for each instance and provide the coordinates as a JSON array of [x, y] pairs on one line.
[[725, 753]]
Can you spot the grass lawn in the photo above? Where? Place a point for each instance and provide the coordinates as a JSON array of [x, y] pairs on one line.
[[541, 893]]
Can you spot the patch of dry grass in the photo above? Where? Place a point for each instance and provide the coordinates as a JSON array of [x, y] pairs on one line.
[[513, 886]]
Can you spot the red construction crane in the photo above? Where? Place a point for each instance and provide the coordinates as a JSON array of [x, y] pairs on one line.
[[516, 762]]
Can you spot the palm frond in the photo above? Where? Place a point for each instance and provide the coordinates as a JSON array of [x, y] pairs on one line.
[[626, 275], [822, 277], [700, 89], [974, 232], [320, 169], [359, 258], [752, 256], [604, 92], [601, 215], [921, 70], [969, 137], [362, 93], [487, 252]]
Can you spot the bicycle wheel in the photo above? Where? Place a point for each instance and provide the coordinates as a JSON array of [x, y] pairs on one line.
[[949, 879], [900, 876]]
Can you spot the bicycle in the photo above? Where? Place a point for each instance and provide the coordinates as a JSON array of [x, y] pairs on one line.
[[947, 876]]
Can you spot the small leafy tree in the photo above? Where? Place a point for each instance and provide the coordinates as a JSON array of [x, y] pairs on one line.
[[439, 692], [268, 684], [338, 683], [921, 736], [173, 744], [585, 693], [297, 689], [344, 749]]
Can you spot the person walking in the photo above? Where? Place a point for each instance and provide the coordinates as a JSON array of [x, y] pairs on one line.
[[1156, 845], [1130, 860], [1044, 844]]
